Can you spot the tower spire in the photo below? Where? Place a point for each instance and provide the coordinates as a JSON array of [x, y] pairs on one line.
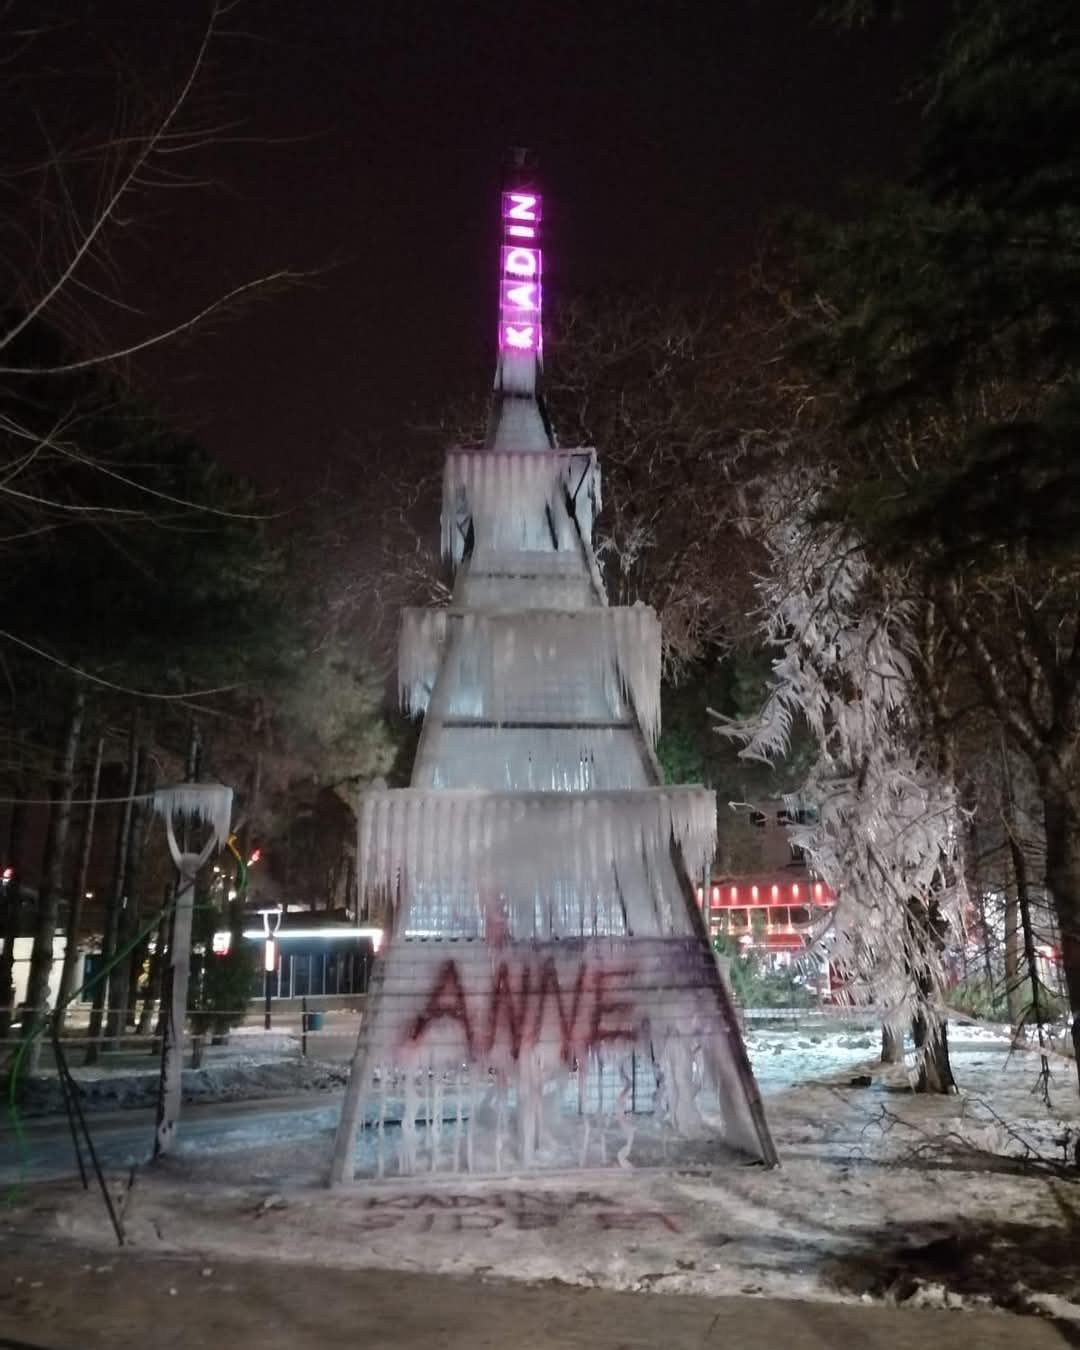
[[518, 421], [548, 996]]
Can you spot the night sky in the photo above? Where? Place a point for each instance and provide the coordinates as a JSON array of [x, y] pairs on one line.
[[667, 134]]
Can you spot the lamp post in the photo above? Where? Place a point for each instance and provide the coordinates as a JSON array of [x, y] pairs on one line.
[[187, 802], [271, 923]]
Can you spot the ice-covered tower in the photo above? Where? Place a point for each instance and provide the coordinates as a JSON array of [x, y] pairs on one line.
[[548, 996]]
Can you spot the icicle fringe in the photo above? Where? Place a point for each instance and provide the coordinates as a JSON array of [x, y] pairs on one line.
[[208, 802], [536, 839], [515, 666], [513, 499]]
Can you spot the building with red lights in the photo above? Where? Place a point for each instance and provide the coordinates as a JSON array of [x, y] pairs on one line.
[[763, 894]]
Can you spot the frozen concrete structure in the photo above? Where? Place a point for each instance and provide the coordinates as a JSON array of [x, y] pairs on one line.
[[548, 996]]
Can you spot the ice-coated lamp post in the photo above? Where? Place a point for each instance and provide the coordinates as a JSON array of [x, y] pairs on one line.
[[210, 803], [271, 919]]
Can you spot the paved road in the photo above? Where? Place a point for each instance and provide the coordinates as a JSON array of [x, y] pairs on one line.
[[59, 1298], [124, 1138]]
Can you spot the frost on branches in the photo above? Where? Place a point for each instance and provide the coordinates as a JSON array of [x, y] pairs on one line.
[[882, 821]]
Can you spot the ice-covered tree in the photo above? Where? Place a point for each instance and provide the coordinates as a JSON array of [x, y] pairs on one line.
[[882, 820], [948, 309]]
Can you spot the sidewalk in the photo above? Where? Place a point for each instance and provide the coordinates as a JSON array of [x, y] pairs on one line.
[[59, 1298]]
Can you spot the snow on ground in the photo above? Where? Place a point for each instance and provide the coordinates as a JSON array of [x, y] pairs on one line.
[[881, 1195], [239, 1078], [782, 1058], [252, 1064]]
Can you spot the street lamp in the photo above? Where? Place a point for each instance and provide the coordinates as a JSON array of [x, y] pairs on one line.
[[271, 923], [210, 803]]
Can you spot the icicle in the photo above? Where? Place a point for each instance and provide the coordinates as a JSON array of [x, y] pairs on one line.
[[423, 633], [382, 1121], [408, 1116], [470, 1127], [510, 666], [520, 839], [506, 495], [592, 812], [624, 1117], [210, 803], [435, 1115], [527, 1091], [637, 647], [458, 1121], [500, 1119], [600, 1108]]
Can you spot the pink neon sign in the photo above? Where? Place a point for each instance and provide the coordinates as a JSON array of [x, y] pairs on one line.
[[519, 271]]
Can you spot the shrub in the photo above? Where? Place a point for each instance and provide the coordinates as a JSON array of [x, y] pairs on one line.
[[756, 985]]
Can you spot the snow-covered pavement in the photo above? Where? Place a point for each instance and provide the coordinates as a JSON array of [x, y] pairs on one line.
[[881, 1196], [132, 1300]]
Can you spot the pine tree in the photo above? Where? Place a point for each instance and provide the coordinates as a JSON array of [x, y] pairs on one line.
[[947, 309]]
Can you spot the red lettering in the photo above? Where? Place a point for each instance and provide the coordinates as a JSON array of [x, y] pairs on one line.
[[634, 1218], [476, 1222], [454, 1009], [527, 1199], [527, 1220], [502, 997], [602, 1007], [549, 980], [592, 1198], [370, 1223], [517, 1005]]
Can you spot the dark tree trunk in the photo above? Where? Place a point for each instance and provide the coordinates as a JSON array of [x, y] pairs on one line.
[[932, 1047], [1016, 906], [71, 947], [12, 914], [120, 981], [935, 1070], [1013, 989], [1030, 956], [987, 939], [52, 880], [157, 967], [1061, 813], [138, 960], [114, 911]]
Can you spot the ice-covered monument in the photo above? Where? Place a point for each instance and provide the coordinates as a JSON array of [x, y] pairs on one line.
[[548, 996]]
